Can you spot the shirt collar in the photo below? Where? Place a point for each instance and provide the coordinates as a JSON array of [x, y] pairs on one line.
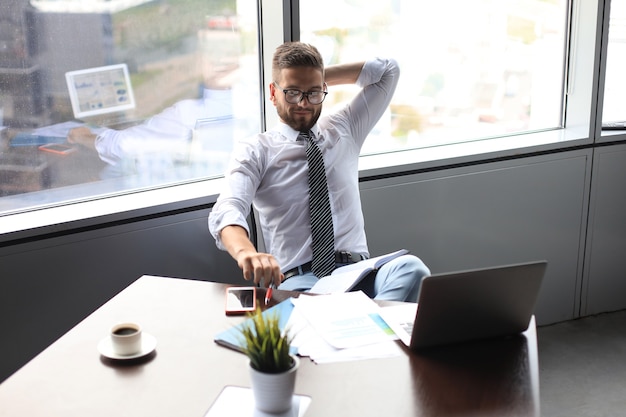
[[292, 134]]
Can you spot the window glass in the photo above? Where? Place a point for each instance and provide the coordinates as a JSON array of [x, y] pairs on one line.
[[615, 83], [471, 69], [157, 93]]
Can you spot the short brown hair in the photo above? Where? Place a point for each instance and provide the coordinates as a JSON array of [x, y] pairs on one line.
[[296, 54]]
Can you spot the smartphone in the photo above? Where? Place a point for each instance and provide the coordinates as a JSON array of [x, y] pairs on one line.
[[240, 300], [58, 148]]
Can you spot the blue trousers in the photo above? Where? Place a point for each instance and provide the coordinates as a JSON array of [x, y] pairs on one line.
[[397, 280]]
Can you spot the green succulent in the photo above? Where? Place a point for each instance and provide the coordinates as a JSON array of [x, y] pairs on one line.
[[267, 347]]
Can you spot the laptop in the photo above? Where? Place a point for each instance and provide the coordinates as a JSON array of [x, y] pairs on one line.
[[100, 95], [470, 305], [100, 90]]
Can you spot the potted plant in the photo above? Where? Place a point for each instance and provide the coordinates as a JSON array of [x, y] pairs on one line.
[[272, 366]]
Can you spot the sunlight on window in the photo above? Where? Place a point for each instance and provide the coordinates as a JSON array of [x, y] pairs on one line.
[[471, 69], [615, 83]]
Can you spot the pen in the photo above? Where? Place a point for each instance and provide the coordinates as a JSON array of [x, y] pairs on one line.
[[268, 293]]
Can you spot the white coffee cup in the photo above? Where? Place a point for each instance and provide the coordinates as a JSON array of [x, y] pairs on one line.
[[126, 339]]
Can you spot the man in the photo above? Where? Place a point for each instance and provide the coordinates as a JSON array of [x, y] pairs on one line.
[[168, 133], [271, 171], [199, 131]]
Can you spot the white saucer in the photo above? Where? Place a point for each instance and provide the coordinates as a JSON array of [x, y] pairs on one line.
[[148, 344]]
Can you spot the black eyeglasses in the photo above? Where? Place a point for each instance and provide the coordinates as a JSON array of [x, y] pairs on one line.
[[294, 96]]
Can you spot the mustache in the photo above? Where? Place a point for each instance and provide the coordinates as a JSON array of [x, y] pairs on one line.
[[302, 109]]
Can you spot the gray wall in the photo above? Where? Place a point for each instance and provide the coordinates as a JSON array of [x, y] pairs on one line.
[[491, 214], [538, 207], [604, 283]]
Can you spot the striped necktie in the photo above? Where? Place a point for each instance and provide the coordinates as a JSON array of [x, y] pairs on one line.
[[321, 217]]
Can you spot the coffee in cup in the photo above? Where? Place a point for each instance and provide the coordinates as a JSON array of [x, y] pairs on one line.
[[126, 339]]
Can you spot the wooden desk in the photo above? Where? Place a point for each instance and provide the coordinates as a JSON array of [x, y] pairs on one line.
[[188, 370]]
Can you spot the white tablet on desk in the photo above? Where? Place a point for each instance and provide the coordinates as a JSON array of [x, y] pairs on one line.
[[239, 402]]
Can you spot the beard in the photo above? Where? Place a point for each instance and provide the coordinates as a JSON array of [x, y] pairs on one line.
[[299, 122]]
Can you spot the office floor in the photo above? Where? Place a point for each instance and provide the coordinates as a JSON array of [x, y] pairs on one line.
[[582, 367]]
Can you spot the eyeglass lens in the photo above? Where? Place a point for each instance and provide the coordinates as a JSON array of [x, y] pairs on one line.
[[295, 96]]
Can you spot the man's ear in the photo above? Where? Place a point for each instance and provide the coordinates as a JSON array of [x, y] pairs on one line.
[[273, 93]]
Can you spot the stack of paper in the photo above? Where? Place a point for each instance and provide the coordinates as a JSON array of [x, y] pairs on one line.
[[340, 327], [329, 328]]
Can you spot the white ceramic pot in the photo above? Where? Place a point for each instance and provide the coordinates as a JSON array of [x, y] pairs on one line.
[[273, 393]]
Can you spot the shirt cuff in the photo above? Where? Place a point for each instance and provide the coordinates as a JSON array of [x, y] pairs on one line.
[[218, 221]]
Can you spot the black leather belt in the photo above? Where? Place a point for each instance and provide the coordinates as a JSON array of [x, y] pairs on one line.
[[342, 257], [298, 270]]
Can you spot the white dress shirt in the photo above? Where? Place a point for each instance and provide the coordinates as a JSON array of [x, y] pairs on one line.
[[169, 130], [269, 170]]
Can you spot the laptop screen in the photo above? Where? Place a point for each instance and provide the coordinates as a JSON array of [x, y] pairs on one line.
[[100, 90]]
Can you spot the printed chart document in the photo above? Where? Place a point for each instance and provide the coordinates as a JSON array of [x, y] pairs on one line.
[[345, 320], [345, 278], [401, 319], [309, 343]]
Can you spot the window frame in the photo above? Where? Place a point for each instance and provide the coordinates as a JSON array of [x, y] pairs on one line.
[[605, 136], [278, 21]]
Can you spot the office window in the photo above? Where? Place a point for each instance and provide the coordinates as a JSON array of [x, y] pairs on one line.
[[471, 69], [159, 92], [615, 83]]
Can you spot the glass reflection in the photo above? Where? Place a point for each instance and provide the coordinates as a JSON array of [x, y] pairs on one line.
[[193, 70]]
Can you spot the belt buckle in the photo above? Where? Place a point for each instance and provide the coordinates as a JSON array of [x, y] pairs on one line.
[[346, 257]]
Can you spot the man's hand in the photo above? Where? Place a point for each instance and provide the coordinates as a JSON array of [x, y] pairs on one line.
[[260, 267], [82, 136]]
